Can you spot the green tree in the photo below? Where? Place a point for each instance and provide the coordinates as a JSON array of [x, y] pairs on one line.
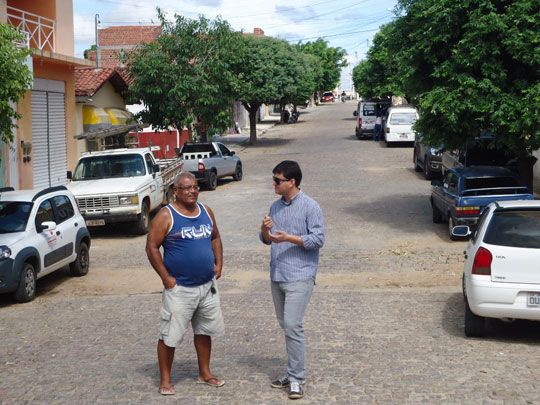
[[474, 68], [265, 74], [186, 75], [15, 78], [332, 60]]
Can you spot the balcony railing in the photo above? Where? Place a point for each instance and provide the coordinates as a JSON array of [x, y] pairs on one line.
[[39, 30]]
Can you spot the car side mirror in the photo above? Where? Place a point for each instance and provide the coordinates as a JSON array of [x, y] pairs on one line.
[[47, 226], [69, 174], [156, 168], [232, 152], [436, 183], [461, 231], [355, 113]]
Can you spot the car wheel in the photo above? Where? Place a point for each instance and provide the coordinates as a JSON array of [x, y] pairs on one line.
[[212, 181], [450, 227], [143, 219], [428, 174], [27, 285], [437, 217], [357, 133], [475, 326], [80, 266], [237, 176], [415, 161]]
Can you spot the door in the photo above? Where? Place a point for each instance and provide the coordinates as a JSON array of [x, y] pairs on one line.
[[49, 134], [156, 185], [229, 164]]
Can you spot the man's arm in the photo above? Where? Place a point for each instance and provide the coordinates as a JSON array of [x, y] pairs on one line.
[[158, 231], [217, 246]]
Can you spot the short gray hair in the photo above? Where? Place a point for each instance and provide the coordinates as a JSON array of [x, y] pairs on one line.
[[179, 176]]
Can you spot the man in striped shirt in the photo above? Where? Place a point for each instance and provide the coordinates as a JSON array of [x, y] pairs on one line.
[[294, 228]]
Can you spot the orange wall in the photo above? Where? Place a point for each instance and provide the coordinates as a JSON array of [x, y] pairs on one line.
[[44, 8], [47, 69]]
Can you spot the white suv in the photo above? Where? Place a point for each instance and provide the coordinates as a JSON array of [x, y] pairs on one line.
[[40, 232]]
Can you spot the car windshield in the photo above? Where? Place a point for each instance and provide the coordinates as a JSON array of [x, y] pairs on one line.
[[514, 229], [101, 167], [402, 118], [478, 153], [14, 215]]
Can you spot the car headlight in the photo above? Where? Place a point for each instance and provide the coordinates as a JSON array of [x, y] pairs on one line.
[[5, 252], [129, 200]]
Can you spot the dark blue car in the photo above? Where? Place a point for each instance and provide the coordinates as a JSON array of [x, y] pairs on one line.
[[463, 193]]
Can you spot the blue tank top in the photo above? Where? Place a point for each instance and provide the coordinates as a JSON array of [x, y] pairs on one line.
[[188, 254]]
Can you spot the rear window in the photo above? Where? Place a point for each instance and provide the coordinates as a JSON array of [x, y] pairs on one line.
[[479, 153], [514, 229], [197, 147], [369, 109], [490, 182], [402, 118]]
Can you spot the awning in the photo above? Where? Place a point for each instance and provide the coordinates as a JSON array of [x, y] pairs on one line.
[[103, 133]]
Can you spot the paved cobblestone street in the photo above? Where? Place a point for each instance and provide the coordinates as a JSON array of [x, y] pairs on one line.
[[385, 324]]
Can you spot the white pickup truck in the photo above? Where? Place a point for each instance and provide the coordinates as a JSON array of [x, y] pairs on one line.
[[122, 185], [210, 161]]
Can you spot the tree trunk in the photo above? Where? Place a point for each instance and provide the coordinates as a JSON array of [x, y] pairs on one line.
[[252, 109]]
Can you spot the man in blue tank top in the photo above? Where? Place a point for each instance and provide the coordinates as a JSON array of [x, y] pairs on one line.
[[190, 265]]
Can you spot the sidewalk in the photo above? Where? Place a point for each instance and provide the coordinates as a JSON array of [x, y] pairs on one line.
[[243, 138]]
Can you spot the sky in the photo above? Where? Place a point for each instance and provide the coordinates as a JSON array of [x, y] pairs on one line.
[[349, 24]]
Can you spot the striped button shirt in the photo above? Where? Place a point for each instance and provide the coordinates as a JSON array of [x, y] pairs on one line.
[[303, 217]]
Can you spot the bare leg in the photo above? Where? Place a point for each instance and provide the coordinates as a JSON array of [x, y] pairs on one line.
[[165, 359], [203, 346]]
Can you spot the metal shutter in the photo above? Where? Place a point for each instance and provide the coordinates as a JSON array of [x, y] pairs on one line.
[[40, 139], [49, 139], [57, 139]]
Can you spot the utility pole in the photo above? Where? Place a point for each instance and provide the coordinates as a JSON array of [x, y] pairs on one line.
[[98, 51]]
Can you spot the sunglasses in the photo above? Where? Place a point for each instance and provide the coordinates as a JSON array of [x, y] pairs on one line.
[[278, 181]]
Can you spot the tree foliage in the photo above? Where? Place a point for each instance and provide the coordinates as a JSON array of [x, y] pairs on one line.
[[332, 60], [15, 78], [186, 75], [272, 72]]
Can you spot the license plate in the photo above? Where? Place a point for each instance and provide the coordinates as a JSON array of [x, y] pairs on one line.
[[533, 299], [404, 136], [95, 222]]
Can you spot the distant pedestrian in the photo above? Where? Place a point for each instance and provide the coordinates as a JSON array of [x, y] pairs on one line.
[[191, 263], [377, 129], [295, 229]]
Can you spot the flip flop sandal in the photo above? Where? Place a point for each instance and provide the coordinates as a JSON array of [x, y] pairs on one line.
[[217, 382], [167, 391]]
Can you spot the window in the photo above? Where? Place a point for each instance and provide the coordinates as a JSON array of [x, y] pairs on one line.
[[402, 118], [451, 182], [14, 216], [224, 150], [480, 223], [149, 163], [369, 109], [44, 213], [514, 229], [64, 209]]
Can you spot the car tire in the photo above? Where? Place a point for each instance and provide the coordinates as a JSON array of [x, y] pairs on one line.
[[437, 216], [81, 264], [143, 219], [428, 174], [357, 133], [475, 326], [26, 291], [238, 174], [417, 168], [450, 227], [212, 181]]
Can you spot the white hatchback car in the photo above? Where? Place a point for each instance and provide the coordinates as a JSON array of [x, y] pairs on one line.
[[501, 277], [40, 232]]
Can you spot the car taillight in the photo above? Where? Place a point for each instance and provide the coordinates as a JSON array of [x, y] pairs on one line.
[[201, 167], [359, 122], [482, 262], [467, 211], [387, 130]]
